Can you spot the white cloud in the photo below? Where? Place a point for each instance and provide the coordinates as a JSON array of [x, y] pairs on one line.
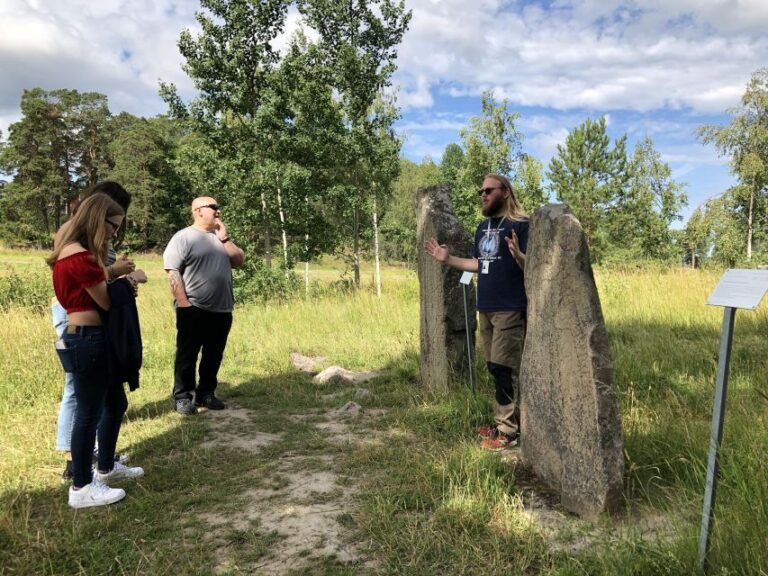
[[589, 54], [421, 97], [116, 47]]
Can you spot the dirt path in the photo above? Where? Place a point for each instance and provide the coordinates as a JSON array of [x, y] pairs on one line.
[[305, 506], [304, 511]]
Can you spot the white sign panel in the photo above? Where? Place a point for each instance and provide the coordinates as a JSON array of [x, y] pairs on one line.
[[466, 278], [740, 289]]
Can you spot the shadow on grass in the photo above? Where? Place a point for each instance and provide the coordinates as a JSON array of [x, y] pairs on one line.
[[429, 492], [157, 528]]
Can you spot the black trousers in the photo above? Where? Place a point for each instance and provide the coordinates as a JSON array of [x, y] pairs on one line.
[[197, 330]]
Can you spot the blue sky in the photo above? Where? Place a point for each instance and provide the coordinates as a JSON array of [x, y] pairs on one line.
[[655, 67]]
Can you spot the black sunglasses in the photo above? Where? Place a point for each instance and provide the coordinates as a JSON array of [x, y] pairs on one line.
[[487, 191], [211, 206], [114, 226]]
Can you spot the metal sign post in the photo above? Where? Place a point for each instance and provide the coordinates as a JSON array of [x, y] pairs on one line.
[[736, 289], [718, 418], [466, 278]]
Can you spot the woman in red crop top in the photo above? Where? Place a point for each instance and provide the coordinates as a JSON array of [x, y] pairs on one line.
[[80, 285]]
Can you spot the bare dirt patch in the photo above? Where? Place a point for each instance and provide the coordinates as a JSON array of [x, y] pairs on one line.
[[302, 509], [235, 428]]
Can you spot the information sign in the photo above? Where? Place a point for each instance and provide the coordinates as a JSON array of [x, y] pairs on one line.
[[740, 289]]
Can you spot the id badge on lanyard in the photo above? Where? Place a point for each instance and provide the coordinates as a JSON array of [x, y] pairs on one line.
[[484, 267]]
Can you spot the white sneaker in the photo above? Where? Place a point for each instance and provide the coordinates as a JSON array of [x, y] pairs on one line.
[[94, 494], [119, 472]]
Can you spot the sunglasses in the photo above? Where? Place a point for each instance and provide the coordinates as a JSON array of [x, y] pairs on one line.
[[114, 226], [487, 191], [211, 206]]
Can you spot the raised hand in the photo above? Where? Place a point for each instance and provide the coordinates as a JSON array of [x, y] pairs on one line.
[[123, 266], [514, 247], [439, 252], [221, 229]]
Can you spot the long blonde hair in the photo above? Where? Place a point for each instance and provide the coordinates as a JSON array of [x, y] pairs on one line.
[[88, 227], [513, 210]]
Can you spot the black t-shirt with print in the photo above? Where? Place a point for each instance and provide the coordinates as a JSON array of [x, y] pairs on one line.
[[500, 281]]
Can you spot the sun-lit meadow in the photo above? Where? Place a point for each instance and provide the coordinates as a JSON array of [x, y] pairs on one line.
[[430, 501]]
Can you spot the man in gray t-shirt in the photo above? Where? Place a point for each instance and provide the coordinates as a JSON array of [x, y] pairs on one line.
[[199, 261]]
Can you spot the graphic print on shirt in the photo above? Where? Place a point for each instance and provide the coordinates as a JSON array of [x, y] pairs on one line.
[[488, 246]]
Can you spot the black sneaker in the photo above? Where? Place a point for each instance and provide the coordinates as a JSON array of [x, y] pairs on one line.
[[211, 402], [185, 406], [121, 458], [68, 474]]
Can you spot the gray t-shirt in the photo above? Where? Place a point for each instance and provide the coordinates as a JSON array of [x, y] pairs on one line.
[[204, 265]]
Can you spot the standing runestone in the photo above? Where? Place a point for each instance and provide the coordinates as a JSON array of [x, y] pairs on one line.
[[571, 424], [443, 335]]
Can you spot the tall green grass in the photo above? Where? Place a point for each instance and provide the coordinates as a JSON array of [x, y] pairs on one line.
[[431, 502]]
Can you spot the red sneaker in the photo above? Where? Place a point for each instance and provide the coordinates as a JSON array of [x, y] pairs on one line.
[[500, 442], [487, 431]]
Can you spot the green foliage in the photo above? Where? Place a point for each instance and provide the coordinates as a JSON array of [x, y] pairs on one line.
[[451, 164], [591, 177], [626, 206], [52, 154], [398, 227], [256, 282], [25, 289], [427, 499], [491, 144], [528, 183], [745, 140], [301, 128], [142, 153]]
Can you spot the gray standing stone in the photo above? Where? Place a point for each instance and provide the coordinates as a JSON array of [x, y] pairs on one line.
[[571, 424], [441, 301]]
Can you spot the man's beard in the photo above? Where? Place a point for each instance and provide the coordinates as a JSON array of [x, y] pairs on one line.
[[493, 208]]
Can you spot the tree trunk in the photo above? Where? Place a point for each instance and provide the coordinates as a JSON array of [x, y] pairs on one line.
[[749, 222], [282, 231], [356, 247], [306, 251], [267, 232], [57, 211], [376, 246]]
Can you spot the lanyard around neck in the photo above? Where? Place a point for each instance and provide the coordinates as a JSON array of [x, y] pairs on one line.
[[497, 227]]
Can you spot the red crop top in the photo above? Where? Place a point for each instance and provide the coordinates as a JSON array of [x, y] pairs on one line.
[[71, 276]]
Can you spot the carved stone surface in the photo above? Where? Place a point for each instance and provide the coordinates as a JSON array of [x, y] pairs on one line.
[[571, 424], [441, 301]]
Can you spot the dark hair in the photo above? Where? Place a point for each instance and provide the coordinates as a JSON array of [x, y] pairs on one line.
[[88, 227], [117, 193], [111, 189]]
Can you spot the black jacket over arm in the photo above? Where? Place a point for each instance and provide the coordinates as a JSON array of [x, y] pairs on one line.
[[123, 335]]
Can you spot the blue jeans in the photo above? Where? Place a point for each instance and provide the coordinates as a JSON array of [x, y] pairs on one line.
[[98, 403], [68, 403]]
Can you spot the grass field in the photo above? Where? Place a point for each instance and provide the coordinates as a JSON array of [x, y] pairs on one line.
[[401, 489]]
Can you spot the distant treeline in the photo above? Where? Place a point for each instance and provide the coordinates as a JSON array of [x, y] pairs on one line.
[[299, 146]]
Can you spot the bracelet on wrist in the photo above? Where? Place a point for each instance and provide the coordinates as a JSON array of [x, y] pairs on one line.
[[225, 240]]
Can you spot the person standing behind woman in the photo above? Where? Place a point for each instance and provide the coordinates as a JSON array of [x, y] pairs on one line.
[[79, 281], [116, 267]]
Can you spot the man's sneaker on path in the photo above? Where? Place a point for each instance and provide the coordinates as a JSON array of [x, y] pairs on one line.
[[500, 442], [185, 406], [94, 494], [211, 402], [119, 472], [487, 431]]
